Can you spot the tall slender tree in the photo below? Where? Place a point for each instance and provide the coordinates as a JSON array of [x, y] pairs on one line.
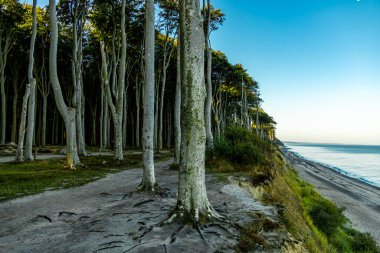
[[192, 204], [149, 182], [67, 113], [32, 97]]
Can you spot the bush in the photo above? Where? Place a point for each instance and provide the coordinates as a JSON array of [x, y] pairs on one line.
[[242, 147], [327, 217]]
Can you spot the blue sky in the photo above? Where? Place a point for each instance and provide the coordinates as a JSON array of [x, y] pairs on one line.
[[317, 62]]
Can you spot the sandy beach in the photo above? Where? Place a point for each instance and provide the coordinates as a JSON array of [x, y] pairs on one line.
[[360, 200]]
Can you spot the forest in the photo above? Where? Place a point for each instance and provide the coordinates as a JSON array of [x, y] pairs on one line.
[[94, 53], [115, 85]]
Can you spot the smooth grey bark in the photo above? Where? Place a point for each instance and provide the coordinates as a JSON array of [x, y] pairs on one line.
[[208, 105], [138, 96], [217, 109], [177, 107], [15, 81], [21, 135], [192, 203], [257, 118], [79, 20], [67, 113], [149, 181], [5, 47], [117, 107], [44, 89], [168, 51], [32, 97]]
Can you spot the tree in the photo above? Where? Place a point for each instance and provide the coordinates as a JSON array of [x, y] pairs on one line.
[[118, 88], [10, 16], [73, 14], [168, 24], [212, 18], [67, 113], [32, 98], [148, 181], [192, 204]]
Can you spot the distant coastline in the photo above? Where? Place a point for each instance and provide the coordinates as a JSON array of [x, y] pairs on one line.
[[338, 169], [359, 198]]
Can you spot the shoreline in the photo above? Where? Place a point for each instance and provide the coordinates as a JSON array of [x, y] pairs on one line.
[[360, 199], [336, 170]]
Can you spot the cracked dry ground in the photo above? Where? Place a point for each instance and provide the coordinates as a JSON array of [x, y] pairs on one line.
[[109, 216]]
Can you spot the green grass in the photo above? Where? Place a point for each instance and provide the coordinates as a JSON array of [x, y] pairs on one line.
[[20, 179], [310, 218]]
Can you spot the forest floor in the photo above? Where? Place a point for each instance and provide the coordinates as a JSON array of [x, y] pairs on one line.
[[108, 215]]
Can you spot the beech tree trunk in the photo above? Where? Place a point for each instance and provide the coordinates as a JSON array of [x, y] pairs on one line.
[[177, 107], [149, 181], [5, 47], [117, 107], [14, 105], [44, 112], [67, 113], [192, 204], [21, 135], [32, 97], [209, 136]]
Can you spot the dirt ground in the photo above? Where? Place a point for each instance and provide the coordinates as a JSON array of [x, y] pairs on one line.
[[110, 216]]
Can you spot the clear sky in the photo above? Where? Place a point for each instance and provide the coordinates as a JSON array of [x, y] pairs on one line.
[[317, 62]]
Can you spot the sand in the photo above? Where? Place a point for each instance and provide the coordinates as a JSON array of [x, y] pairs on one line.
[[360, 200], [110, 216]]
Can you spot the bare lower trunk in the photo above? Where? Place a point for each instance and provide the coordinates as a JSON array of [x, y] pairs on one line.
[[44, 112], [208, 105], [21, 134], [32, 98], [14, 109], [67, 113], [192, 204], [125, 111], [3, 107], [162, 98], [149, 181], [209, 136], [177, 108], [31, 118]]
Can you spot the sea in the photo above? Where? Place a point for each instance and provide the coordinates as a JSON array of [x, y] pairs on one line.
[[361, 162]]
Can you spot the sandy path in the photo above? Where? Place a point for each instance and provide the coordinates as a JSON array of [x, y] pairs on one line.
[[361, 201], [108, 216], [8, 159]]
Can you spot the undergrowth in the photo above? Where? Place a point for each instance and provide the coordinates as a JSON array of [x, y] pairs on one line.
[[310, 218]]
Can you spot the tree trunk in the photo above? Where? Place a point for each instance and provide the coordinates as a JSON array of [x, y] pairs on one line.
[[21, 136], [14, 105], [32, 97], [44, 112], [192, 204], [177, 107], [68, 114], [138, 92], [209, 136], [3, 61], [30, 127], [149, 181]]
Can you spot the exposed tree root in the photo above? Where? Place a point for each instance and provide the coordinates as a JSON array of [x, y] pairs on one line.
[[44, 217], [82, 217], [129, 194], [143, 202], [110, 247], [68, 213]]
